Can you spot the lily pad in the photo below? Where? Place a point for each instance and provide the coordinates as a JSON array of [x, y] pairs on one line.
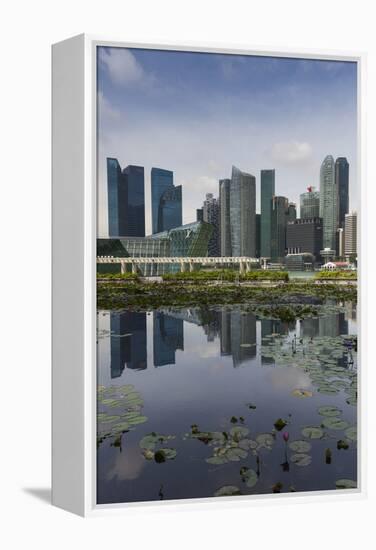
[[227, 491], [148, 454], [334, 423], [351, 433], [301, 393], [265, 440], [300, 446], [249, 476], [170, 453], [235, 454], [327, 390], [121, 427], [110, 418], [216, 460], [137, 420], [312, 432], [247, 444], [149, 441], [239, 432], [346, 484], [329, 411], [301, 459]]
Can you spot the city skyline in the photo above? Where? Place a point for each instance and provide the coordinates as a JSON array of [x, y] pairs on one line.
[[198, 114]]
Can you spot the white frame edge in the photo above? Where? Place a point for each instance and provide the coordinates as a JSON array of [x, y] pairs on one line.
[[74, 189]]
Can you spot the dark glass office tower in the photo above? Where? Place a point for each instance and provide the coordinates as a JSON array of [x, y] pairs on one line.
[[291, 212], [242, 213], [115, 196], [304, 236], [267, 193], [134, 222], [279, 222], [170, 209], [342, 183], [258, 235], [126, 200], [166, 201], [224, 200]]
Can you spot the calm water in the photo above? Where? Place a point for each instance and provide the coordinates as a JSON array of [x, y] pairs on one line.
[[204, 367]]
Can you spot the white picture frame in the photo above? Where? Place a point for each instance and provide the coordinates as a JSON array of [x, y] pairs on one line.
[[74, 276]]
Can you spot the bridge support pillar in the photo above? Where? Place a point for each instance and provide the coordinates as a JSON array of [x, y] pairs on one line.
[[241, 267], [123, 268], [191, 266], [248, 266], [134, 269], [183, 267]]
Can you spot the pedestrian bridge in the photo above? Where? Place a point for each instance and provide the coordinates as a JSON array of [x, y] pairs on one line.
[[186, 263]]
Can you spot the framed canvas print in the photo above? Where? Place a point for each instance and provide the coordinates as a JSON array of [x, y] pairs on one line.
[[206, 265]]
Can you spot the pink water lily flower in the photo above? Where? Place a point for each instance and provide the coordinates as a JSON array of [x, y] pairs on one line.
[[285, 436]]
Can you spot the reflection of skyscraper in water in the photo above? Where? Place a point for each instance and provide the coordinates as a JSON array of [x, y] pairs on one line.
[[211, 323], [350, 311], [243, 337], [128, 342], [310, 327], [333, 325], [118, 345], [271, 326], [168, 336], [225, 332]]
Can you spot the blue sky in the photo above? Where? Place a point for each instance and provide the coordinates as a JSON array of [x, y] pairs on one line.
[[197, 114]]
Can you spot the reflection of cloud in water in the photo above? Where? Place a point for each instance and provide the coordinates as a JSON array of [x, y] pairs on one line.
[[128, 464], [288, 377]]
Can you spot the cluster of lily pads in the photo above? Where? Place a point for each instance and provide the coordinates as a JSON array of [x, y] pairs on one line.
[[232, 445], [153, 447], [322, 358], [119, 410]]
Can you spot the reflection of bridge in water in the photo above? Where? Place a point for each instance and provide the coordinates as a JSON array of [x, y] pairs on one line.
[[185, 263]]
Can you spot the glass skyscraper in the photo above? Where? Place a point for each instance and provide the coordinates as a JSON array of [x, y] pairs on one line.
[[342, 183], [114, 184], [166, 201], [224, 200], [135, 217], [328, 202], [267, 193], [211, 214], [242, 213], [279, 221], [310, 204], [291, 212], [126, 200]]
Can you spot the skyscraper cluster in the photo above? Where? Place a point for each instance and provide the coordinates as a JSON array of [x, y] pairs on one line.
[[325, 223], [126, 200]]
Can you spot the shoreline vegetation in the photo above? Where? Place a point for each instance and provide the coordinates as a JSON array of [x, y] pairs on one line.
[[267, 293]]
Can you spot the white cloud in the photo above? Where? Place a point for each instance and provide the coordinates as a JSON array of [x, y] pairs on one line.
[[122, 66], [291, 152], [106, 111]]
